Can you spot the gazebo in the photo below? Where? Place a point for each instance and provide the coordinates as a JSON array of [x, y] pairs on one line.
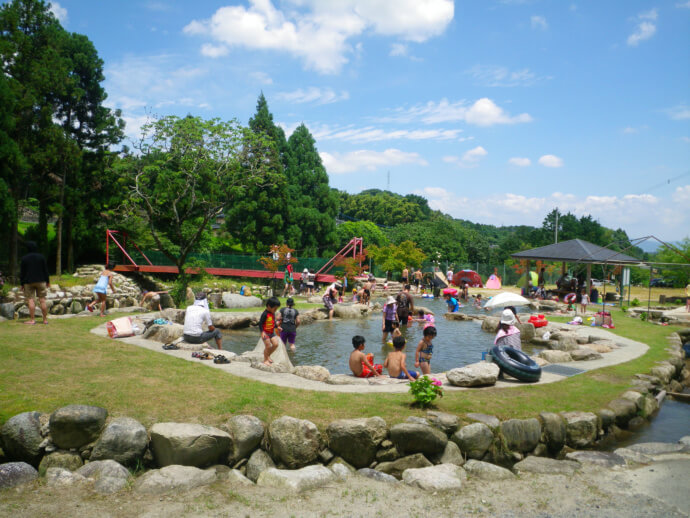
[[577, 251]]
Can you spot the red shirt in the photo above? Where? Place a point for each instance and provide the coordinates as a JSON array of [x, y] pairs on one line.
[[267, 322]]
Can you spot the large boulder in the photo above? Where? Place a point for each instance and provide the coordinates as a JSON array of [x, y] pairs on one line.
[[527, 332], [356, 440], [489, 420], [554, 430], [397, 467], [233, 300], [108, 476], [164, 333], [447, 423], [435, 478], [60, 459], [297, 481], [258, 462], [74, 426], [664, 371], [605, 459], [295, 442], [521, 434], [624, 410], [473, 439], [61, 477], [556, 356], [246, 432], [584, 354], [417, 438], [7, 310], [174, 478], [21, 438], [490, 324], [350, 311], [451, 455], [345, 379], [226, 320], [124, 440], [581, 428], [546, 466], [473, 375], [16, 473], [566, 342], [312, 372], [188, 444], [487, 471]]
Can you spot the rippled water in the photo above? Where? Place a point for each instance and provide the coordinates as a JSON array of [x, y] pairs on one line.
[[329, 343]]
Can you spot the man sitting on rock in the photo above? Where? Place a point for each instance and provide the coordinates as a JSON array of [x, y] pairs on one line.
[[195, 317]]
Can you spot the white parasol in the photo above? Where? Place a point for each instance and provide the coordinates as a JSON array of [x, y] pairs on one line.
[[506, 298]]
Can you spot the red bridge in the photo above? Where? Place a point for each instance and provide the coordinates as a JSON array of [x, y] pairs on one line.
[[353, 248]]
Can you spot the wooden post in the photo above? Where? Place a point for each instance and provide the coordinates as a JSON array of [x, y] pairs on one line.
[[527, 278], [589, 278]]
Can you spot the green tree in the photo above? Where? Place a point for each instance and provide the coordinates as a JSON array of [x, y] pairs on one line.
[[372, 234], [394, 258], [383, 207]]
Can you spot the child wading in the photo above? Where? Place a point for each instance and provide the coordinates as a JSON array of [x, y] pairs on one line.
[[101, 288], [267, 324], [395, 361], [360, 364], [390, 315], [422, 356], [288, 320]]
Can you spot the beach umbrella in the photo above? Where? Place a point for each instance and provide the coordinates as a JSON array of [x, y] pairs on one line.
[[469, 276], [506, 299]]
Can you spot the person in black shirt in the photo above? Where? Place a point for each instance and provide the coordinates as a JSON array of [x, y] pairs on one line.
[[33, 275]]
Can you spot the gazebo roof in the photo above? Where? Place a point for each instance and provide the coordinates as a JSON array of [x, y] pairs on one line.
[[577, 250]]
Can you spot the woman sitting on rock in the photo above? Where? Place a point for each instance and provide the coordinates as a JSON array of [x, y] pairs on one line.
[[508, 334]]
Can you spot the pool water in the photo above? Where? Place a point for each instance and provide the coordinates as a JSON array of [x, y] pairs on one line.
[[329, 343]]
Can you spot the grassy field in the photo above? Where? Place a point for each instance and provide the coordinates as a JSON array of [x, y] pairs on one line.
[[45, 367]]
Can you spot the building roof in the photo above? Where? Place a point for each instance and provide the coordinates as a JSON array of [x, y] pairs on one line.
[[577, 250]]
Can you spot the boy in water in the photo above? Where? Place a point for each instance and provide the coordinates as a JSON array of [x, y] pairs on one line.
[[360, 365], [288, 320], [422, 356], [267, 324], [395, 362], [426, 318], [453, 304]]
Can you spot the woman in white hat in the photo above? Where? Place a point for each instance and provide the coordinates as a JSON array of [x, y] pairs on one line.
[[390, 317], [508, 334]]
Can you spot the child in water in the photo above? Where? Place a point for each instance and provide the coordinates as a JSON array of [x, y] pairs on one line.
[[426, 318], [453, 304], [362, 365], [422, 356]]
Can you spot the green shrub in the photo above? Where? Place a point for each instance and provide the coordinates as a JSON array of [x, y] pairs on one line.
[[634, 303], [425, 390]]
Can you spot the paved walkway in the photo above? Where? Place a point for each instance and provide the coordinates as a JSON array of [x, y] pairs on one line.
[[628, 350]]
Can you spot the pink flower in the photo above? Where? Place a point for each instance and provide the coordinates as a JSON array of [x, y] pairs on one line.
[[436, 382]]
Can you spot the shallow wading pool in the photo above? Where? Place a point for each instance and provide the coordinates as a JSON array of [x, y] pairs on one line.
[[329, 343]]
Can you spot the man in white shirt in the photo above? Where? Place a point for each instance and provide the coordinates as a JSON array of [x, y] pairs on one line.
[[195, 317]]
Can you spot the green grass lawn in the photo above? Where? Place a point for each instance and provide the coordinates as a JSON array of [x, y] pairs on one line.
[[45, 367]]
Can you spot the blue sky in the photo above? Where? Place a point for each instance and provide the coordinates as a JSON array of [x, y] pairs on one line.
[[496, 111]]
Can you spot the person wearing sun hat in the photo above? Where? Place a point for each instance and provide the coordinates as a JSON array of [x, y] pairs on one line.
[[390, 316], [508, 334]]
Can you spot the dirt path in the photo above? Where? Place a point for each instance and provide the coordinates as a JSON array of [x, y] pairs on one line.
[[655, 491]]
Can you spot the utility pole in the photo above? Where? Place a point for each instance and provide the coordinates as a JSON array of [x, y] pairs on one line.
[[388, 180], [556, 229]]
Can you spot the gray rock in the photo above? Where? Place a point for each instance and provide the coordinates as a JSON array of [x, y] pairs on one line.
[[350, 311], [60, 459], [340, 471], [397, 467], [435, 478], [473, 439], [61, 477], [584, 354], [57, 309], [635, 397], [664, 371], [649, 406], [356, 440], [474, 375], [236, 478], [21, 438], [346, 379], [489, 420], [387, 454], [295, 442], [636, 423], [607, 417], [215, 300], [7, 310], [598, 458], [521, 434], [342, 462], [312, 372], [451, 455], [224, 320], [490, 324], [246, 432], [657, 448], [417, 420], [174, 478], [633, 456], [109, 476], [417, 438], [234, 300], [74, 426], [566, 342], [556, 356], [164, 333], [13, 474], [624, 409], [297, 481], [487, 471], [188, 444], [527, 331], [377, 475], [546, 466], [685, 440], [554, 428], [258, 462], [124, 440], [581, 428], [447, 423], [76, 307]]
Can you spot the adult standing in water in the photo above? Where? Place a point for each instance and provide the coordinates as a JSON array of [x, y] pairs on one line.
[[405, 305], [33, 275], [405, 276]]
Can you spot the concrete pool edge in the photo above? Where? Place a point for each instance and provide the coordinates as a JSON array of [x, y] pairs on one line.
[[628, 350]]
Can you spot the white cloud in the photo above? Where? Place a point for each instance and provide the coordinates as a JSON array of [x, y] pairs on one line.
[[628, 130], [683, 5], [367, 160], [214, 51], [319, 32], [645, 29], [682, 195], [261, 77], [680, 112], [398, 49], [493, 75], [520, 162], [59, 12], [313, 95], [353, 133], [539, 22], [470, 158], [551, 161]]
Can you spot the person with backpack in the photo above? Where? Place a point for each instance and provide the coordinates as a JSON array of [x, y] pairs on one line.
[[405, 305], [288, 320]]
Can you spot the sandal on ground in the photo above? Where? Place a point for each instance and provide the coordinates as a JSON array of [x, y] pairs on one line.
[[170, 347], [205, 356], [220, 359]]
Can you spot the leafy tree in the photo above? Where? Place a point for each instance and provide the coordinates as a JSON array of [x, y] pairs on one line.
[[395, 257], [368, 231], [680, 255], [382, 207]]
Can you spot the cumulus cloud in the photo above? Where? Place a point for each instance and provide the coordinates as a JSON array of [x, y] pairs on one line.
[[682, 195], [261, 77], [59, 12], [520, 162], [470, 158], [367, 160], [551, 161], [679, 112], [321, 32], [645, 28], [494, 75], [313, 95], [398, 49], [539, 22], [351, 133]]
